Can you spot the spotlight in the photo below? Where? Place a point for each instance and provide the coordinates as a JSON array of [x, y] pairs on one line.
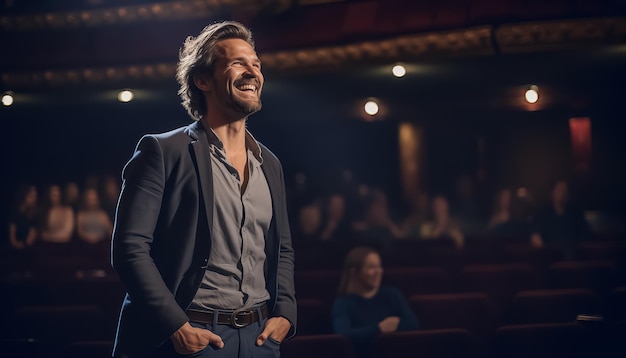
[[398, 71], [125, 96], [532, 95], [371, 107], [7, 99]]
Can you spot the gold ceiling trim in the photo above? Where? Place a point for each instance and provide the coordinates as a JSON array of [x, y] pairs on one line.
[[400, 48], [90, 76], [485, 39], [183, 9], [538, 35]]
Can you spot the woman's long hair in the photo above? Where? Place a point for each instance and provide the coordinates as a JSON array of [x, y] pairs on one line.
[[353, 263]]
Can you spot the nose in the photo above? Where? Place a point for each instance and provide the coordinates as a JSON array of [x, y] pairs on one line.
[[252, 70]]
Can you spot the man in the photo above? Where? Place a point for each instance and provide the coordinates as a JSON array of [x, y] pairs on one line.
[[201, 239], [560, 224]]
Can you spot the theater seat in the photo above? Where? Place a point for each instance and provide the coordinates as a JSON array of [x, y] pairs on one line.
[[541, 341], [618, 305], [317, 346], [314, 317], [501, 282], [599, 276], [318, 284], [471, 311], [418, 280], [444, 343], [553, 306]]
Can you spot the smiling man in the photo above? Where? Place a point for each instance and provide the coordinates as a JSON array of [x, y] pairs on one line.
[[201, 239]]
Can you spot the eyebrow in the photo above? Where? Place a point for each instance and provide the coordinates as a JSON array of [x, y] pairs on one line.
[[255, 59]]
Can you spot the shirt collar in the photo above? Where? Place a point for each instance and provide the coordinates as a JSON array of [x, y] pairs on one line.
[[252, 145]]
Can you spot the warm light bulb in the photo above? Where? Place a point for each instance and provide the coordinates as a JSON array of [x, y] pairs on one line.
[[398, 70], [371, 108], [7, 99], [125, 96], [532, 95]]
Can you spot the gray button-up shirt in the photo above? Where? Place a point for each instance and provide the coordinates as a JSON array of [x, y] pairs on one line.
[[235, 275]]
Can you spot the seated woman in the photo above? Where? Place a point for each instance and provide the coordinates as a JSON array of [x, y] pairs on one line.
[[377, 225], [93, 224], [442, 225], [58, 219], [364, 308], [23, 223], [506, 221]]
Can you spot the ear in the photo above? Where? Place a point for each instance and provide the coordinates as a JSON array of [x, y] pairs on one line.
[[203, 82]]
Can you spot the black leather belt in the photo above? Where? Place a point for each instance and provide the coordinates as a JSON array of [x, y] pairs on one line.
[[237, 319]]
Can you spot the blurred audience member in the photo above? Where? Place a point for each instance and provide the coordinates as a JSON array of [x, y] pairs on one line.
[[442, 226], [508, 219], [559, 224], [309, 222], [58, 225], [335, 225], [23, 222], [466, 206], [377, 224], [364, 308], [502, 210], [419, 214], [93, 224], [110, 194], [72, 195]]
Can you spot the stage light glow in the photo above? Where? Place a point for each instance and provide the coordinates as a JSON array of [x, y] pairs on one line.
[[125, 96], [7, 99], [532, 94], [371, 107], [398, 71]]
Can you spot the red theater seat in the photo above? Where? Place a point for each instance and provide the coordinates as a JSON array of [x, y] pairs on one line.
[[471, 311], [553, 306], [314, 317], [541, 341], [599, 276], [501, 282], [444, 343], [318, 346], [418, 280]]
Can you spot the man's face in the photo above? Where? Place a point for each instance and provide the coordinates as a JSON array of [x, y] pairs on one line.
[[237, 80]]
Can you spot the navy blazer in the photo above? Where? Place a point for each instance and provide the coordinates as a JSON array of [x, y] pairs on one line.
[[161, 241]]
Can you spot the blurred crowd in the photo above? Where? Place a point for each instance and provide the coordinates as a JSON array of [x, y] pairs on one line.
[[60, 214], [85, 213], [366, 213]]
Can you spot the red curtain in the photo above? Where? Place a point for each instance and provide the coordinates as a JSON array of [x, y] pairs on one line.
[[580, 132]]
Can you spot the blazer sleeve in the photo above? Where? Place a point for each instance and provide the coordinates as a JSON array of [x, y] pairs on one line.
[[138, 211], [285, 298]]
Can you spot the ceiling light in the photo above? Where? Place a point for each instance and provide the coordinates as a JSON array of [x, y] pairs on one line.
[[7, 99], [398, 71], [532, 94], [125, 96], [371, 107]]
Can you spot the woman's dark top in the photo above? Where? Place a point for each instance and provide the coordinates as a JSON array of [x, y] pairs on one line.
[[358, 317]]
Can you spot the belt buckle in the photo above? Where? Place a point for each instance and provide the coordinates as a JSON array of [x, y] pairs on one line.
[[233, 319]]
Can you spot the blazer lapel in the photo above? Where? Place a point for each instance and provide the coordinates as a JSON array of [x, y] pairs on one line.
[[199, 149]]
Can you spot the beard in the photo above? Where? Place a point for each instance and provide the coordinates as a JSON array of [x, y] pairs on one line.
[[245, 106]]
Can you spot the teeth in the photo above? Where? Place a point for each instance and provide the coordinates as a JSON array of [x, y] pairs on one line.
[[247, 87]]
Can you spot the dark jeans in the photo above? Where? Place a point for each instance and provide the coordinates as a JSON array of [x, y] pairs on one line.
[[238, 342]]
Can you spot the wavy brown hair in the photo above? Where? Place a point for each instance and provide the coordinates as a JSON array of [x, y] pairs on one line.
[[353, 263], [198, 55]]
